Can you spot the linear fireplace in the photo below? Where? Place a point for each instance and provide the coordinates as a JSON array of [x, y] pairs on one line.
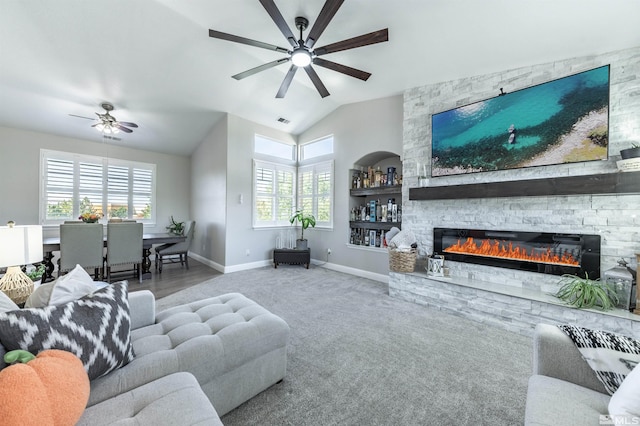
[[544, 252]]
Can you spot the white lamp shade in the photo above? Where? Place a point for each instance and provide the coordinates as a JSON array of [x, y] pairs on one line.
[[20, 245]]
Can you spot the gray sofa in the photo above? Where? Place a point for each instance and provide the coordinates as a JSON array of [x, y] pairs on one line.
[[193, 363], [563, 389]]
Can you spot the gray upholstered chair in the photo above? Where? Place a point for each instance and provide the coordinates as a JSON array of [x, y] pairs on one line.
[[173, 253], [124, 246], [81, 244]]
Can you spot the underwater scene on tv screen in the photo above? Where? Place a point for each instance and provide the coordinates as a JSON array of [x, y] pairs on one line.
[[561, 121]]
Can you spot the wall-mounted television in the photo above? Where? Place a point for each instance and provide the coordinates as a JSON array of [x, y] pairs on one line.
[[560, 121]]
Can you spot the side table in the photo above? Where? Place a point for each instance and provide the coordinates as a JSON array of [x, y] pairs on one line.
[[292, 257]]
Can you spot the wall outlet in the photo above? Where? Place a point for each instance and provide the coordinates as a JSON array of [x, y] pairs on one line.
[[248, 252], [328, 251]]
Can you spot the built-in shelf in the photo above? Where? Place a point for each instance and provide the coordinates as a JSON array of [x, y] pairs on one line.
[[608, 183], [380, 190], [363, 224]]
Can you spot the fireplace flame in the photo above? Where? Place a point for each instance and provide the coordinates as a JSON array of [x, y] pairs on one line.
[[502, 249]]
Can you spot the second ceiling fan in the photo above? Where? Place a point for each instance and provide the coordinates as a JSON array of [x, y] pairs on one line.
[[302, 53]]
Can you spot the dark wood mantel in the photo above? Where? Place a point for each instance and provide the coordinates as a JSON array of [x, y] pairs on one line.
[[608, 183]]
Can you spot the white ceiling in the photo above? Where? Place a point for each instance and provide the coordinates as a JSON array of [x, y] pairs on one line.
[[154, 60]]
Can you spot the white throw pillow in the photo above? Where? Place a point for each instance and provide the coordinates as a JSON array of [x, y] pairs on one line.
[[625, 402], [72, 286], [6, 304]]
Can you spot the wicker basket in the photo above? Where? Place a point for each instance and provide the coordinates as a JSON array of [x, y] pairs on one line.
[[402, 261]]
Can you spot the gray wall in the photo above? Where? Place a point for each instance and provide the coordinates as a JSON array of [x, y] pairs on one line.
[[20, 171], [208, 196], [615, 217], [358, 129], [222, 171]]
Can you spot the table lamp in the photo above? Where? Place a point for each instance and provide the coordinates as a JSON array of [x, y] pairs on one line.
[[19, 245]]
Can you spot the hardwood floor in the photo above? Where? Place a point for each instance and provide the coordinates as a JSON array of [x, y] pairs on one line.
[[173, 278]]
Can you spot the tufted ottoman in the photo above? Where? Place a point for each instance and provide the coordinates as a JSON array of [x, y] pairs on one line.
[[234, 347]]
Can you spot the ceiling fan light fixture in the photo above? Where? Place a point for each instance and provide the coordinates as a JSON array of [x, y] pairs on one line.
[[301, 57], [107, 129]]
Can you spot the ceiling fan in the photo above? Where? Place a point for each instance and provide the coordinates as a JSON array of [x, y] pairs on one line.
[[302, 53], [107, 123]]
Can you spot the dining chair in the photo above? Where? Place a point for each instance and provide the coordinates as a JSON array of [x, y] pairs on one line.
[[124, 246], [176, 252], [81, 244]]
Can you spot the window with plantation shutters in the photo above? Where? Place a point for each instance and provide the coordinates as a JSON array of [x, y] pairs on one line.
[[283, 185], [315, 192], [72, 184], [274, 193]]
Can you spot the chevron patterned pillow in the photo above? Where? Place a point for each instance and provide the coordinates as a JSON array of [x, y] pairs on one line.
[[97, 328]]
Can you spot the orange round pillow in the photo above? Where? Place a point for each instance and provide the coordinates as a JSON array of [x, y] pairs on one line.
[[51, 388]]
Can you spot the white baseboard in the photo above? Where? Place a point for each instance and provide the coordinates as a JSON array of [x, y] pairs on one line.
[[218, 267], [269, 262], [352, 271]]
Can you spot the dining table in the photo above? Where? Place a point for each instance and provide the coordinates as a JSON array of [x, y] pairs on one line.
[[52, 244]]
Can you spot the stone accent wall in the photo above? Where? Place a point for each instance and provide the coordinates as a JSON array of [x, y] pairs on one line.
[[516, 311], [615, 217]]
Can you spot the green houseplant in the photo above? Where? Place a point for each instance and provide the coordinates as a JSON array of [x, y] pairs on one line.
[[176, 227], [36, 273], [305, 220], [586, 293]]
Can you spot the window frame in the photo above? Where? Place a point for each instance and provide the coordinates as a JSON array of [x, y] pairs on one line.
[[275, 167], [75, 187], [317, 169]]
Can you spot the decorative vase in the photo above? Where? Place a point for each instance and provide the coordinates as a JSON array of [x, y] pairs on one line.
[[89, 220]]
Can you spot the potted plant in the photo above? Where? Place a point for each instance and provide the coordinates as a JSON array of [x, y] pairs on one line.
[[176, 227], [633, 152], [586, 293], [305, 220], [36, 273]]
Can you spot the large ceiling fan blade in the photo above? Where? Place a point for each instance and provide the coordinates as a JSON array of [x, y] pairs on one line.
[[353, 72], [124, 129], [244, 40], [316, 81], [286, 82], [363, 40], [80, 116], [126, 123], [263, 67], [275, 14], [326, 15]]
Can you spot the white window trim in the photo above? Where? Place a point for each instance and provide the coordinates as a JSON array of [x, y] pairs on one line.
[[76, 158], [276, 167], [313, 160], [318, 167]]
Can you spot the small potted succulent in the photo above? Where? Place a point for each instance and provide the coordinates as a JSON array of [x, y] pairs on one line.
[[305, 220]]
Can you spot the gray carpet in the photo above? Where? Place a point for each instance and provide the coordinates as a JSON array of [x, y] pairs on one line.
[[359, 357]]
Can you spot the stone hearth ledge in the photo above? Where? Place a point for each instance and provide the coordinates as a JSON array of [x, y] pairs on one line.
[[512, 308]]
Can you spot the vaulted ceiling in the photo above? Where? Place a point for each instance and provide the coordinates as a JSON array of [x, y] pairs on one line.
[[155, 62]]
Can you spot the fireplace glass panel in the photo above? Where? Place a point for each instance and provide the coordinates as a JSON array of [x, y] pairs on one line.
[[548, 253]]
